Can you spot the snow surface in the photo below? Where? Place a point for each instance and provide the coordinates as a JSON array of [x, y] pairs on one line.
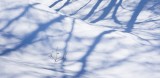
[[32, 36]]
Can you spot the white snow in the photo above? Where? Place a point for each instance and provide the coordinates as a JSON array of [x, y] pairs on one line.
[[115, 54]]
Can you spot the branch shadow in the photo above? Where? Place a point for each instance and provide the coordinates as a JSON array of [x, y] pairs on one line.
[[93, 9], [80, 8], [83, 60], [27, 40], [65, 4], [106, 11], [53, 4], [136, 12], [26, 9], [114, 17]]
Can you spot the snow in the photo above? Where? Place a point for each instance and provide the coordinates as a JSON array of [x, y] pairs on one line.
[[33, 34]]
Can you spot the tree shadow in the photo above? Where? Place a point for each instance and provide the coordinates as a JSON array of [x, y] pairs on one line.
[[26, 9], [153, 5], [30, 37], [61, 7], [53, 4], [93, 9], [114, 17], [80, 8], [83, 60], [66, 46], [106, 11], [114, 5], [136, 12], [65, 4]]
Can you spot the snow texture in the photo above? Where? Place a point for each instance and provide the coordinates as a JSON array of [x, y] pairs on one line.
[[79, 39]]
